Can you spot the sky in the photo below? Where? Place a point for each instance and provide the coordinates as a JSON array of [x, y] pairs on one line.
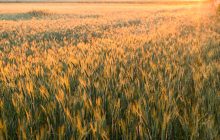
[[97, 0]]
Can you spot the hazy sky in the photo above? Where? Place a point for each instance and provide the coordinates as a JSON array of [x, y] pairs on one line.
[[97, 0]]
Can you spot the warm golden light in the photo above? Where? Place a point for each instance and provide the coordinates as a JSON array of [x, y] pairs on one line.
[[109, 71]]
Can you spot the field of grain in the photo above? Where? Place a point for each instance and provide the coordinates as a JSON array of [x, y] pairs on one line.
[[109, 71]]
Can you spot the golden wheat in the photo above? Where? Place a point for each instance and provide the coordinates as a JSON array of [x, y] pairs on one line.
[[143, 71]]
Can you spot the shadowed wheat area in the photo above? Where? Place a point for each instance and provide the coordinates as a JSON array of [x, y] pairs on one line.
[[109, 71]]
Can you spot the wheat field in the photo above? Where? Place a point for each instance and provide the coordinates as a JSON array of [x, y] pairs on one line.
[[109, 71]]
